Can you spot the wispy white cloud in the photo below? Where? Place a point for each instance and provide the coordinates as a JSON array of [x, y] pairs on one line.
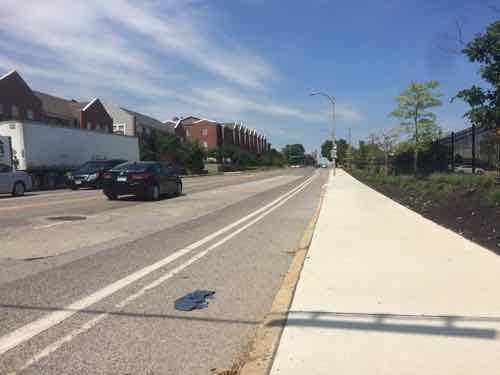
[[230, 100], [112, 33], [120, 49]]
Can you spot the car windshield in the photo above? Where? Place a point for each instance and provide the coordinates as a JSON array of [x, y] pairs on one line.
[[91, 167]]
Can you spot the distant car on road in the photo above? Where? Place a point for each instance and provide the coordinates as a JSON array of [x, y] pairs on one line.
[[14, 182], [145, 179], [90, 174], [467, 169]]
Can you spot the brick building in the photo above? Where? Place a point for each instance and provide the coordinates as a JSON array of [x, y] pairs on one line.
[[211, 135], [208, 133], [19, 102]]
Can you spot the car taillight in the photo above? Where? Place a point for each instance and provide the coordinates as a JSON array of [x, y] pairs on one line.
[[107, 176], [141, 176]]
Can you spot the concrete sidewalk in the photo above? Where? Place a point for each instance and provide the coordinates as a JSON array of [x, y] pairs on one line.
[[386, 291]]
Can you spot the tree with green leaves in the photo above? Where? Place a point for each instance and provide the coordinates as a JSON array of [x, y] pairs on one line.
[[387, 141], [326, 149], [490, 147], [293, 152], [170, 148], [416, 120], [342, 147], [484, 103]]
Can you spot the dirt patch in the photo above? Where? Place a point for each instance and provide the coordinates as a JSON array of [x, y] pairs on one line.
[[466, 211]]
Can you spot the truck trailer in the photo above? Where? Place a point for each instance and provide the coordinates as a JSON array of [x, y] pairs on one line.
[[49, 152]]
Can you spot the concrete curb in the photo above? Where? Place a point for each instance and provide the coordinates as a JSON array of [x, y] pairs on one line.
[[267, 338]]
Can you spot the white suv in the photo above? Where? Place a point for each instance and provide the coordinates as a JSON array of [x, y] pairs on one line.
[[14, 182]]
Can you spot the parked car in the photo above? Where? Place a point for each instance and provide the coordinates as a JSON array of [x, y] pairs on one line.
[[14, 182], [146, 179], [181, 171], [467, 169], [90, 174]]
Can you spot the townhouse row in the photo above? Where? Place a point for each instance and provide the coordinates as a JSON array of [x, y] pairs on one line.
[[212, 134], [19, 102]]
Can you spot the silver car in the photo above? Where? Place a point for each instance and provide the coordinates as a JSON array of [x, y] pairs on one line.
[[14, 182], [467, 169]]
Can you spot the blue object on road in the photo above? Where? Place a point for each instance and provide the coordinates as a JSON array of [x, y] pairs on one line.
[[194, 301]]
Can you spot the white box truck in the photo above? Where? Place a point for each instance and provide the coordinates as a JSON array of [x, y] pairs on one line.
[[5, 151], [48, 152]]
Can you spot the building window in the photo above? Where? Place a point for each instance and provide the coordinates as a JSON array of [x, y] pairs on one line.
[[75, 123], [187, 132], [15, 112], [204, 132], [119, 129], [98, 127], [30, 115], [205, 145], [89, 125]]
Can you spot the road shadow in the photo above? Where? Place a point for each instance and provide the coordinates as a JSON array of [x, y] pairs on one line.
[[134, 198], [10, 196], [187, 316], [438, 325]]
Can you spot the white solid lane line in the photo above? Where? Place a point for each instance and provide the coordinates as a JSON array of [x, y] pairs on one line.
[[30, 330], [93, 322]]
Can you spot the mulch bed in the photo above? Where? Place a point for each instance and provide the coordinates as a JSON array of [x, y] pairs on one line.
[[466, 212]]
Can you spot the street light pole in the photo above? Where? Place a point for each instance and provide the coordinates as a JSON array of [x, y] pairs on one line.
[[332, 100]]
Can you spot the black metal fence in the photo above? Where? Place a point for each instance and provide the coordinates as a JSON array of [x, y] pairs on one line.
[[474, 147]]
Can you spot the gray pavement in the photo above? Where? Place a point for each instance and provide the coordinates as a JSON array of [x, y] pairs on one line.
[[386, 291], [135, 330], [19, 211]]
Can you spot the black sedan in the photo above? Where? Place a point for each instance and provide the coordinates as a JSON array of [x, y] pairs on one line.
[[90, 174], [145, 179]]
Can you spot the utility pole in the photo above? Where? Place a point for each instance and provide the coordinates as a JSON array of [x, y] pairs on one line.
[[473, 149], [334, 148]]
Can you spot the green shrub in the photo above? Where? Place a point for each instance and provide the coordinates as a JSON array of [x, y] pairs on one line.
[[494, 197], [462, 180]]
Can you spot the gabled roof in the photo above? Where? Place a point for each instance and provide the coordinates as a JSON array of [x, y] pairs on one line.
[[149, 121], [230, 125], [16, 78], [172, 123], [188, 120], [90, 104], [54, 105], [13, 71], [205, 120]]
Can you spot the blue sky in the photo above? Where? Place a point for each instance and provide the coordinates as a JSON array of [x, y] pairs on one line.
[[254, 61]]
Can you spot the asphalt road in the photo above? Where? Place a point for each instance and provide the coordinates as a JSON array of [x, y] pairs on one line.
[[107, 307], [16, 211]]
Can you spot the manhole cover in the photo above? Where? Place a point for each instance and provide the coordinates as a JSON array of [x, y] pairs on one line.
[[66, 218]]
